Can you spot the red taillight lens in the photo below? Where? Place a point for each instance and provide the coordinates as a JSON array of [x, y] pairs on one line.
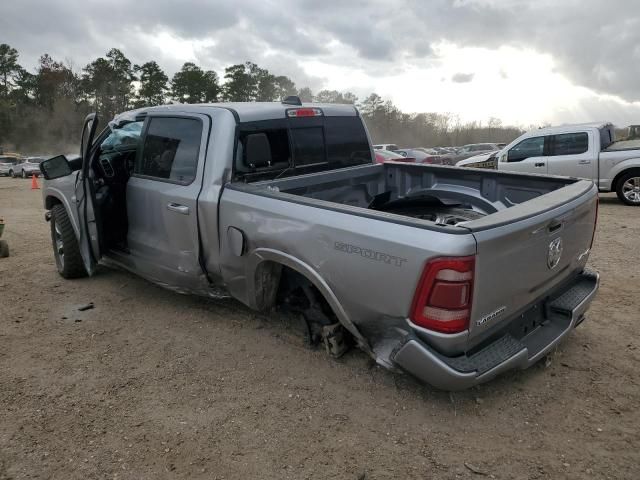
[[442, 301], [432, 160]]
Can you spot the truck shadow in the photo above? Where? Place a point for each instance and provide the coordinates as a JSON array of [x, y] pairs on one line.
[[611, 201]]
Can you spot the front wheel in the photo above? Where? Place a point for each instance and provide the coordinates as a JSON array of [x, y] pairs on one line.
[[65, 245], [24, 174], [628, 189], [11, 174]]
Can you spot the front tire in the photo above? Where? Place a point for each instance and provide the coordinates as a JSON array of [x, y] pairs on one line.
[[628, 189], [11, 174], [24, 175], [65, 245]]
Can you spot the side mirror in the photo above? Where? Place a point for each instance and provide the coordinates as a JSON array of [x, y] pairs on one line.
[[55, 167]]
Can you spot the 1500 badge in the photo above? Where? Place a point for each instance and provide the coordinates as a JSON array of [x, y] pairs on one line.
[[370, 254]]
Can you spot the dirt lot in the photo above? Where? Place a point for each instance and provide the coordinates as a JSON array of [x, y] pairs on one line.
[[151, 384]]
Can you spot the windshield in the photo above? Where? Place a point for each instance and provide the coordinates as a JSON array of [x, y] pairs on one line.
[[126, 134]]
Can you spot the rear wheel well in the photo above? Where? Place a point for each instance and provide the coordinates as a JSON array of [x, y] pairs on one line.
[[287, 291], [614, 184], [278, 286], [294, 289]]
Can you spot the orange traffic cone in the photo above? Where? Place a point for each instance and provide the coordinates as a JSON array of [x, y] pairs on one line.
[[34, 182]]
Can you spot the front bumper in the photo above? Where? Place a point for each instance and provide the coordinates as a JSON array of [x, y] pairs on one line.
[[526, 339]]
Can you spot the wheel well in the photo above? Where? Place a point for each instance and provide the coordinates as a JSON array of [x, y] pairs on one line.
[[614, 184], [283, 288], [51, 201], [295, 287]]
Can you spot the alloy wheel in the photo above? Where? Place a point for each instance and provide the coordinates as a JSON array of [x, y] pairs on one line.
[[631, 189]]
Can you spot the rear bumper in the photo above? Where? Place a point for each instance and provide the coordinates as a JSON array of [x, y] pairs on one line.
[[527, 339]]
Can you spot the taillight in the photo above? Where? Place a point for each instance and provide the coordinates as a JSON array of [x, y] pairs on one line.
[[442, 301], [432, 160]]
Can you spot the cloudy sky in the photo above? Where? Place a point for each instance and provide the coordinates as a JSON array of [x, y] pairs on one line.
[[525, 62]]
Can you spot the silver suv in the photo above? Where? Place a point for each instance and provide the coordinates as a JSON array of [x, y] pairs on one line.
[[7, 165], [27, 167]]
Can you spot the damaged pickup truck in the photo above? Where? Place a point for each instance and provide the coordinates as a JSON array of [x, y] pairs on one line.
[[452, 275]]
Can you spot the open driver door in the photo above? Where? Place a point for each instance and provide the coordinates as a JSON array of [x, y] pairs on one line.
[[85, 199]]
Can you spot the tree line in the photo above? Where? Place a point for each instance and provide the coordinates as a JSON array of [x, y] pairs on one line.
[[42, 111]]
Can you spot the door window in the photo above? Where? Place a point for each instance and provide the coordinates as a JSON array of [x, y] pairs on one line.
[[570, 144], [170, 151], [531, 147]]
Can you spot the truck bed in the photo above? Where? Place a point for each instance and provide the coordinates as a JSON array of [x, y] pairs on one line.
[[408, 193], [623, 145]]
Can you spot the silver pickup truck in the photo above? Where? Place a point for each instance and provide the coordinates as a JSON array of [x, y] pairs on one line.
[[587, 150], [450, 274]]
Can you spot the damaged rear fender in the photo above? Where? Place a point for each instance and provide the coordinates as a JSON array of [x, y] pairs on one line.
[[264, 267]]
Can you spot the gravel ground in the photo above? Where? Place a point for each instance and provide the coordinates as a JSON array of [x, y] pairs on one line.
[[150, 384]]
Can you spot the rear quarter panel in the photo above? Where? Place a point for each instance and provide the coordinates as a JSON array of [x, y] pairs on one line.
[[372, 267], [613, 163]]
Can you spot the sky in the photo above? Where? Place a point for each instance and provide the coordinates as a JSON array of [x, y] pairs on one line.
[[526, 63]]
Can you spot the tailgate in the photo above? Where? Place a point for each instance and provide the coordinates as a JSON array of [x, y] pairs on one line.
[[523, 252]]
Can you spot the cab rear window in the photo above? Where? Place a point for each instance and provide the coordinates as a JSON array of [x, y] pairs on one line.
[[302, 145]]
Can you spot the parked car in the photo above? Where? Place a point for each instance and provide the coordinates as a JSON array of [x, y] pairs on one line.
[[27, 167], [420, 156], [587, 151], [454, 276], [389, 156], [472, 150], [386, 146], [7, 164], [443, 150]]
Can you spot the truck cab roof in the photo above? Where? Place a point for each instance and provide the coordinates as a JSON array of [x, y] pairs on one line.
[[245, 111], [570, 128]]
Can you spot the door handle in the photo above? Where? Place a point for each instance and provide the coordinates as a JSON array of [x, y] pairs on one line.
[[584, 162], [540, 164], [176, 207]]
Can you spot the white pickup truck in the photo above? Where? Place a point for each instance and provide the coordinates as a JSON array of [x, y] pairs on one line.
[[584, 151]]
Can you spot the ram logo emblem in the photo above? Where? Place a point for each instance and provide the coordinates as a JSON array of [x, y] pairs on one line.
[[555, 253]]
